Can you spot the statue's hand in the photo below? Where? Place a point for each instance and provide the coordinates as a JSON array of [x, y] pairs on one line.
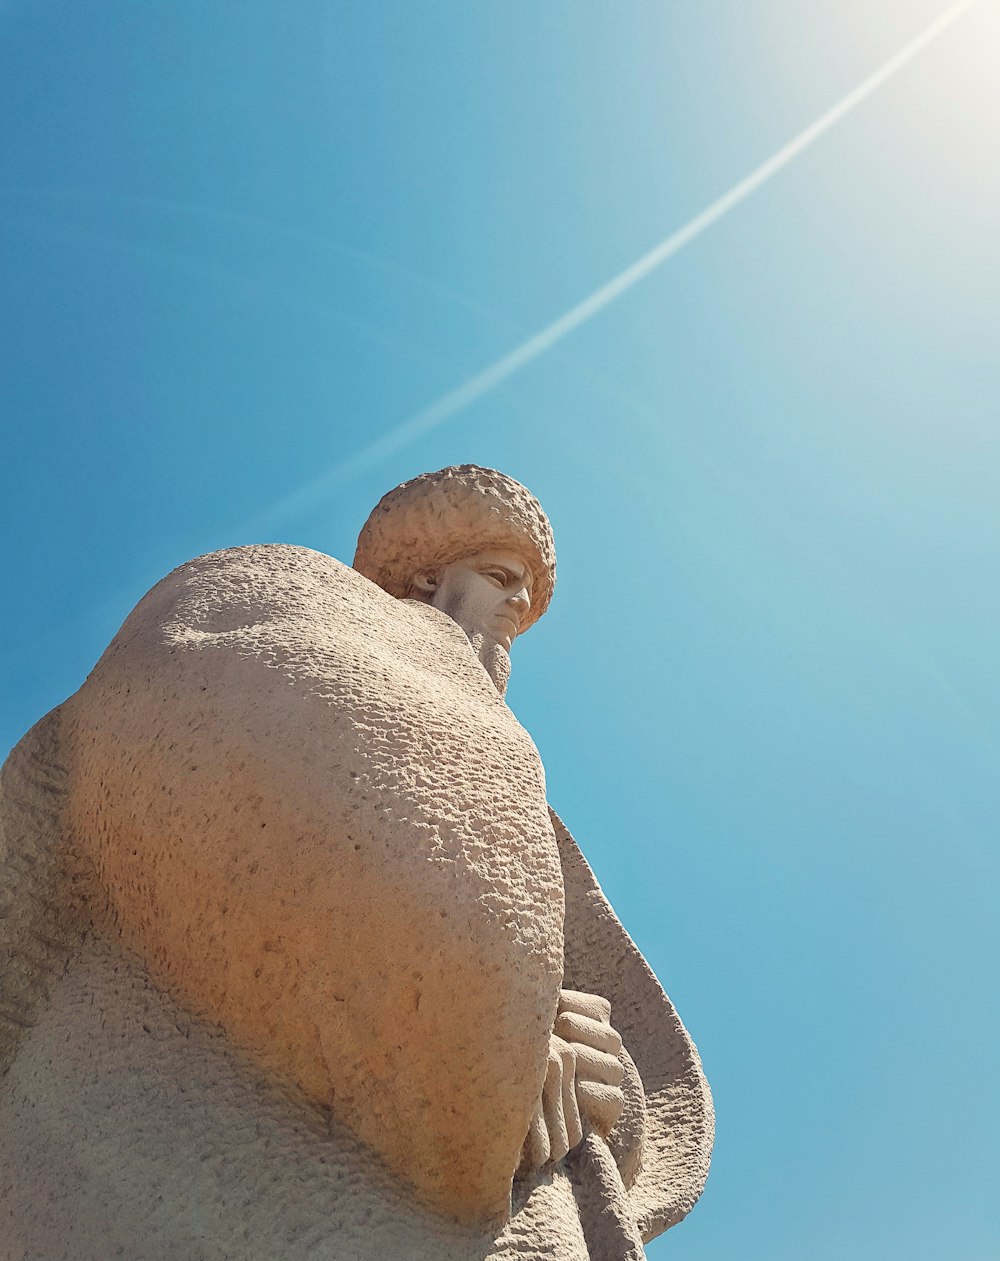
[[582, 1081], [584, 1021]]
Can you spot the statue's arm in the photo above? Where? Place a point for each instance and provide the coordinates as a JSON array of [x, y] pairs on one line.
[[668, 1107]]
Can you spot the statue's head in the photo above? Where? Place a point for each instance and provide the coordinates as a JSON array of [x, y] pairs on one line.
[[470, 541]]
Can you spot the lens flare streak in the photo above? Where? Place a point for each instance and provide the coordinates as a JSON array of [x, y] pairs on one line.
[[313, 493]]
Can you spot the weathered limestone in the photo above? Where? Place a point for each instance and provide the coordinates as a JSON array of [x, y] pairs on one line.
[[296, 960]]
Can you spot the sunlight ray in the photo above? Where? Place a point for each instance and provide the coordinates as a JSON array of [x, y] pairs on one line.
[[313, 493]]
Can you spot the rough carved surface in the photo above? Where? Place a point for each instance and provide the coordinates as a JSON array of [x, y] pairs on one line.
[[364, 935], [289, 990]]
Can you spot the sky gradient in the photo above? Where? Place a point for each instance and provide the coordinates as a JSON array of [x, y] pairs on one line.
[[242, 243]]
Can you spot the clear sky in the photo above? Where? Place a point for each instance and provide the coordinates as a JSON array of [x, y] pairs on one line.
[[241, 242]]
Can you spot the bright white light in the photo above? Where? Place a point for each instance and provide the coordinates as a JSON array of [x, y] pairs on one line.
[[317, 491]]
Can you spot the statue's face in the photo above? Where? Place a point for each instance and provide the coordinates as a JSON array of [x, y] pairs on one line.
[[488, 594]]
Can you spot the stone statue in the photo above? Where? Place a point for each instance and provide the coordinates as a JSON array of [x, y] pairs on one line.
[[297, 962]]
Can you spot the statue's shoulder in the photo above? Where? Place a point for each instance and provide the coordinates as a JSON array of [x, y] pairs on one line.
[[267, 578], [288, 595]]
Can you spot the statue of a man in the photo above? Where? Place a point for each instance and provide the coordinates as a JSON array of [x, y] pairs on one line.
[[299, 961], [477, 546]]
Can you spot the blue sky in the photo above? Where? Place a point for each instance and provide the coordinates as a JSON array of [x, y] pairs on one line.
[[241, 242]]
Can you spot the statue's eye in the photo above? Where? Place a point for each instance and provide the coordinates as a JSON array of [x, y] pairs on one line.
[[496, 575]]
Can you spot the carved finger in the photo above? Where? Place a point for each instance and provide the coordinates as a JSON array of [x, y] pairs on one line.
[[570, 1107], [590, 1005], [594, 1065], [600, 1105], [552, 1104], [535, 1151], [592, 1033]]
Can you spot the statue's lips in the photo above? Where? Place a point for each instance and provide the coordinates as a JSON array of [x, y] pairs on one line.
[[510, 624]]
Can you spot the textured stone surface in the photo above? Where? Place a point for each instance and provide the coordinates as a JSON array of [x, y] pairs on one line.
[[364, 935], [282, 920]]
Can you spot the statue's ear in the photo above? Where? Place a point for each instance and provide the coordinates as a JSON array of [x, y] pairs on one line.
[[426, 584]]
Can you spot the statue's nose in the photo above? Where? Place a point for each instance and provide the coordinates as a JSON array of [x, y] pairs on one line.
[[520, 601]]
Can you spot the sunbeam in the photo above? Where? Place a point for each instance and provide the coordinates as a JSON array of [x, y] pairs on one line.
[[314, 492]]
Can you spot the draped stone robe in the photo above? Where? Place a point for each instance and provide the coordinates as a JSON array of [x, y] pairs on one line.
[[284, 917]]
